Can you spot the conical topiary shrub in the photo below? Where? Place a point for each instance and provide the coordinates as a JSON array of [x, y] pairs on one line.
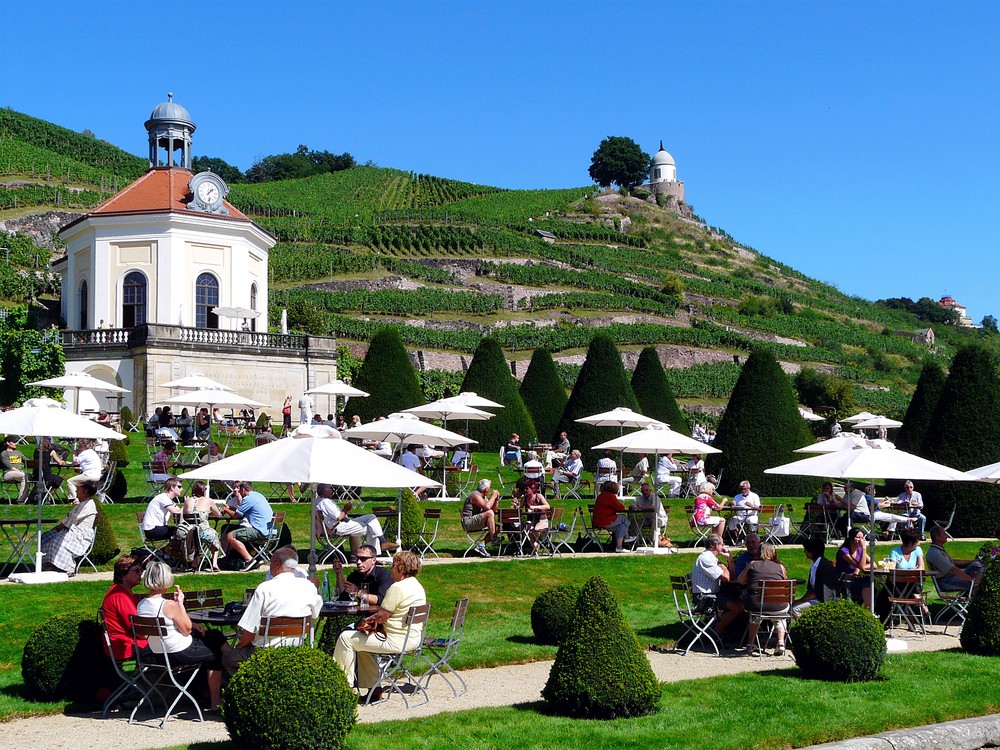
[[601, 386], [489, 376], [653, 392], [544, 395], [388, 376], [760, 429], [601, 671], [981, 632], [105, 542], [911, 435]]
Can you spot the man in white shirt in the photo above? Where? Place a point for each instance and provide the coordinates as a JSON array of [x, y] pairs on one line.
[[664, 466], [284, 595], [533, 468], [305, 408], [607, 470], [749, 502], [639, 471], [568, 472], [156, 519], [410, 460], [914, 505], [706, 577], [339, 523]]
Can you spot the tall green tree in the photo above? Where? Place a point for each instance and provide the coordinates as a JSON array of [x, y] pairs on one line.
[[388, 376], [759, 430], [489, 376], [620, 161], [653, 392], [921, 409], [543, 394], [601, 386], [964, 433]]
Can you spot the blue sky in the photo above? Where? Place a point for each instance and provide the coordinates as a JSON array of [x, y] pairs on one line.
[[855, 141]]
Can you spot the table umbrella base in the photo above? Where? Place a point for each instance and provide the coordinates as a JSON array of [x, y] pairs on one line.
[[43, 577], [896, 645], [655, 550]]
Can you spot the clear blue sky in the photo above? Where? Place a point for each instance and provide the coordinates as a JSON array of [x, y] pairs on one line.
[[855, 141]]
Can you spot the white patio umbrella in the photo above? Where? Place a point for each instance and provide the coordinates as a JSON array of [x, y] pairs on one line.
[[868, 462], [989, 473], [620, 417], [79, 381], [196, 382], [471, 398], [445, 410], [809, 416], [39, 418], [403, 429], [212, 398], [876, 422], [315, 454], [656, 438], [236, 312], [336, 388], [861, 416], [834, 444]]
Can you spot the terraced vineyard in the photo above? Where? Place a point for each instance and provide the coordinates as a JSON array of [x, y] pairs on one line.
[[447, 261]]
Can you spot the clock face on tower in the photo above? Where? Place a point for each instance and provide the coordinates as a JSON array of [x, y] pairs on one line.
[[207, 192]]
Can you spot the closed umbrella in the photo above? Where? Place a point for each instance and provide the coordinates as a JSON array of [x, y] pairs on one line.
[[314, 454], [39, 418], [79, 381]]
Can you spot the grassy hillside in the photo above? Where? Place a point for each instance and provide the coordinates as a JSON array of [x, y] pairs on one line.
[[445, 261]]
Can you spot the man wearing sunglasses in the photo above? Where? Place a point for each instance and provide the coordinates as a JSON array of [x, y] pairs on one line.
[[368, 573]]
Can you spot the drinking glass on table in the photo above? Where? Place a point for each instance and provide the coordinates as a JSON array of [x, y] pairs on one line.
[[201, 596], [363, 596]]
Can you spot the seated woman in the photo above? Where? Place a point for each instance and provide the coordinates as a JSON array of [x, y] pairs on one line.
[[606, 515], [200, 531], [51, 455], [535, 505], [854, 564], [186, 424], [767, 568], [908, 556], [74, 534], [356, 651], [104, 419], [178, 641], [704, 504]]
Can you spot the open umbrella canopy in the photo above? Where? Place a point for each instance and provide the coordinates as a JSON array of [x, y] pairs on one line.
[[407, 428], [656, 438], [80, 381], [620, 416], [834, 444], [196, 382], [235, 312], [336, 388], [990, 473], [212, 398], [313, 454], [445, 409], [875, 422], [861, 416], [871, 461], [809, 416], [471, 398], [41, 417]]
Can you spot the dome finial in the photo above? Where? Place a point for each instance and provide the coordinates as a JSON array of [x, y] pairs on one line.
[[170, 98], [661, 145]]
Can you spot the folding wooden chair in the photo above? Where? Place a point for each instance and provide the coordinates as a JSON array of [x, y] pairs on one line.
[[197, 599], [556, 535], [395, 670], [905, 591], [427, 535], [593, 534], [287, 631], [442, 650], [127, 677], [156, 674], [697, 620], [955, 602], [510, 532], [774, 604]]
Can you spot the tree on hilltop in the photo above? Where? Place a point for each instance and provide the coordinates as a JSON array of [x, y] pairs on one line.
[[601, 386], [543, 394], [912, 434], [489, 376], [760, 429], [388, 376], [619, 160], [224, 169], [653, 392]]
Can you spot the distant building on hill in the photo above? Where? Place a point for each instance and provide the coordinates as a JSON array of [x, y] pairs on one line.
[[167, 278], [663, 182], [963, 314]]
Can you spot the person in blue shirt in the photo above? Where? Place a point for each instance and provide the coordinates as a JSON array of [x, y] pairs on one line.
[[255, 516]]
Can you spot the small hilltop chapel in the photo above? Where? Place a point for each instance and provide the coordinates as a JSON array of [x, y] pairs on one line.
[[167, 278]]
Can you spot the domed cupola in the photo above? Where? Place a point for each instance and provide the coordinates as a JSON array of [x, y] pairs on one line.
[[662, 168], [170, 128]]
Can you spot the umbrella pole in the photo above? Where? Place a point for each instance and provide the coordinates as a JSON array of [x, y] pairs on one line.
[[871, 548], [38, 498], [657, 505], [399, 519], [312, 538]]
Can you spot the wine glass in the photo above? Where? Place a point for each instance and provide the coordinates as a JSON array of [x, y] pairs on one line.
[[201, 596]]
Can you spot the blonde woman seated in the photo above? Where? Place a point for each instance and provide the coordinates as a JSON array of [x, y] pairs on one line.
[[767, 568], [204, 507], [356, 651], [704, 504]]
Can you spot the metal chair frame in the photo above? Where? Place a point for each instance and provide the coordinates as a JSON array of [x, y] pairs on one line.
[[154, 674], [568, 490], [128, 678], [393, 669], [442, 650], [271, 540], [510, 532], [696, 620], [905, 591], [155, 547], [427, 535], [955, 602], [770, 593], [330, 546], [702, 532], [592, 534]]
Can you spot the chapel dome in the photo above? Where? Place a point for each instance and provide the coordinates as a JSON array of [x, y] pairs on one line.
[[169, 111], [662, 158]]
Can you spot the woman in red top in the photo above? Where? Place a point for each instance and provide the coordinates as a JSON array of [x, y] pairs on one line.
[[606, 510], [119, 604]]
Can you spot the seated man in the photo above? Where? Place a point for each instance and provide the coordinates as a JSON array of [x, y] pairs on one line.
[[163, 462], [607, 469], [254, 514], [410, 460], [559, 452], [12, 463], [664, 468], [646, 501], [368, 573], [382, 449], [512, 450], [568, 472], [749, 503], [706, 577], [533, 468], [822, 582], [156, 519], [952, 575], [738, 564], [639, 472], [284, 595], [869, 507], [338, 523], [266, 436], [428, 454], [479, 512], [460, 457], [914, 505]]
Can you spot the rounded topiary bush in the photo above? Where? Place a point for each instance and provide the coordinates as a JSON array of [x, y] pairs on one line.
[[552, 613], [62, 657], [601, 671], [105, 542], [838, 640], [289, 699], [981, 632]]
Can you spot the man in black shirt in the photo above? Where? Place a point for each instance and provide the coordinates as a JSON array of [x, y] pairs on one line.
[[368, 573]]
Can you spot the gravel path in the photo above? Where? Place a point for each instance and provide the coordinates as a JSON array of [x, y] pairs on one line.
[[499, 686]]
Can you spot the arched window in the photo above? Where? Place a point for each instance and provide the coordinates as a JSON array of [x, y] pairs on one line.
[[134, 300], [253, 305], [84, 310], [206, 296]]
